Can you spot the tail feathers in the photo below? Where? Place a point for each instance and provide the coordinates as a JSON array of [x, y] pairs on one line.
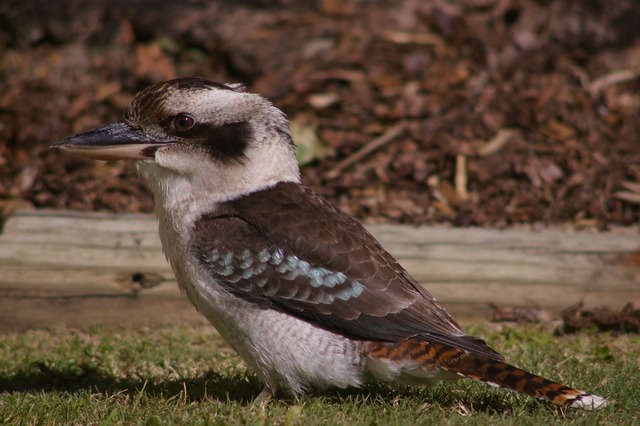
[[507, 376], [435, 356]]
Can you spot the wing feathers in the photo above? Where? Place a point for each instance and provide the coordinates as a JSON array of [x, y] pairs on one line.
[[288, 249]]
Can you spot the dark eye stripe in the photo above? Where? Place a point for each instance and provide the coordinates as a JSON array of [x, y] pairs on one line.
[[228, 142]]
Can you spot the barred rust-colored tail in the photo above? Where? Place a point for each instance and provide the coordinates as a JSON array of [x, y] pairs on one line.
[[436, 356]]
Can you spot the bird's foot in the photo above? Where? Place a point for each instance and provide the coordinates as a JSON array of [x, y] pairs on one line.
[[264, 397]]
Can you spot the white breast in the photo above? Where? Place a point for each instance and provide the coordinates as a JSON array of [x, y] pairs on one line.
[[284, 351]]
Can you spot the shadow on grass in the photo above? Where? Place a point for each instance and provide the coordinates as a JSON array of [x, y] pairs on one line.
[[239, 388], [445, 396], [243, 388]]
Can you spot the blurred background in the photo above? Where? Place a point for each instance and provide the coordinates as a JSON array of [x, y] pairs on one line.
[[480, 112]]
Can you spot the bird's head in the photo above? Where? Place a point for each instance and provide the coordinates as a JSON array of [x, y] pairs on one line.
[[210, 134]]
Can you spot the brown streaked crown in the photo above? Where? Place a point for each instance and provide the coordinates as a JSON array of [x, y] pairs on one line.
[[149, 104]]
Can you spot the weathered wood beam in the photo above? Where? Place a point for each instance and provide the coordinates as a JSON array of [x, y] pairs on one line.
[[86, 268]]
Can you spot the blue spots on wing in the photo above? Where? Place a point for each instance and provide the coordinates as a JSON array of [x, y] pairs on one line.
[[245, 265], [264, 255], [276, 258], [352, 291], [246, 260], [227, 259]]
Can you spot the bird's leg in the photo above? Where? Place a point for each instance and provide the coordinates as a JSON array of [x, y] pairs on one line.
[[264, 396]]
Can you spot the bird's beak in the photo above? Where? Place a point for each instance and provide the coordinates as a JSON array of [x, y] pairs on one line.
[[117, 141]]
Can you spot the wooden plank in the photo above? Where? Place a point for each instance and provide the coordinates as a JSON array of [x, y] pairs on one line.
[[82, 312], [83, 268], [56, 221]]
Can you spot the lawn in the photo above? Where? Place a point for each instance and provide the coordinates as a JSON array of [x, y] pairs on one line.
[[186, 375]]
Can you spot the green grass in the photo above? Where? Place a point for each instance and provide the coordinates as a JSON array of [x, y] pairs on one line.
[[184, 375]]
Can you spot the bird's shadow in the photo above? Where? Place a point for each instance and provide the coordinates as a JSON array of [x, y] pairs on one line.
[[240, 387]]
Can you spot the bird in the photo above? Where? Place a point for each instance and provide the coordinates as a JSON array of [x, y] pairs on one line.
[[297, 287]]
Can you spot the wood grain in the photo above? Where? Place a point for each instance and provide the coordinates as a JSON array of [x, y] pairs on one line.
[[82, 269]]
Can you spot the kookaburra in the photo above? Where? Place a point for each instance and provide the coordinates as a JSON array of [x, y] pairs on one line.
[[297, 287]]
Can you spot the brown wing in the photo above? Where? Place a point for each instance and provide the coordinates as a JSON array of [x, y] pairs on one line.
[[286, 248]]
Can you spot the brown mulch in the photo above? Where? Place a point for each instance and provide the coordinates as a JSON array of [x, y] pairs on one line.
[[573, 319], [528, 314], [484, 112], [602, 318]]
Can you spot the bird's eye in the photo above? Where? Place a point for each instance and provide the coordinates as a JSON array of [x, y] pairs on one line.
[[183, 122]]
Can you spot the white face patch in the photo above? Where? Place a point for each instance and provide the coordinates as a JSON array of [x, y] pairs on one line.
[[220, 106]]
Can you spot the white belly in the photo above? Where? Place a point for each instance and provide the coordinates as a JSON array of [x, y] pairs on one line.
[[284, 351]]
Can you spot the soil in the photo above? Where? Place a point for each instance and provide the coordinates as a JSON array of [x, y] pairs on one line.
[[482, 112]]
